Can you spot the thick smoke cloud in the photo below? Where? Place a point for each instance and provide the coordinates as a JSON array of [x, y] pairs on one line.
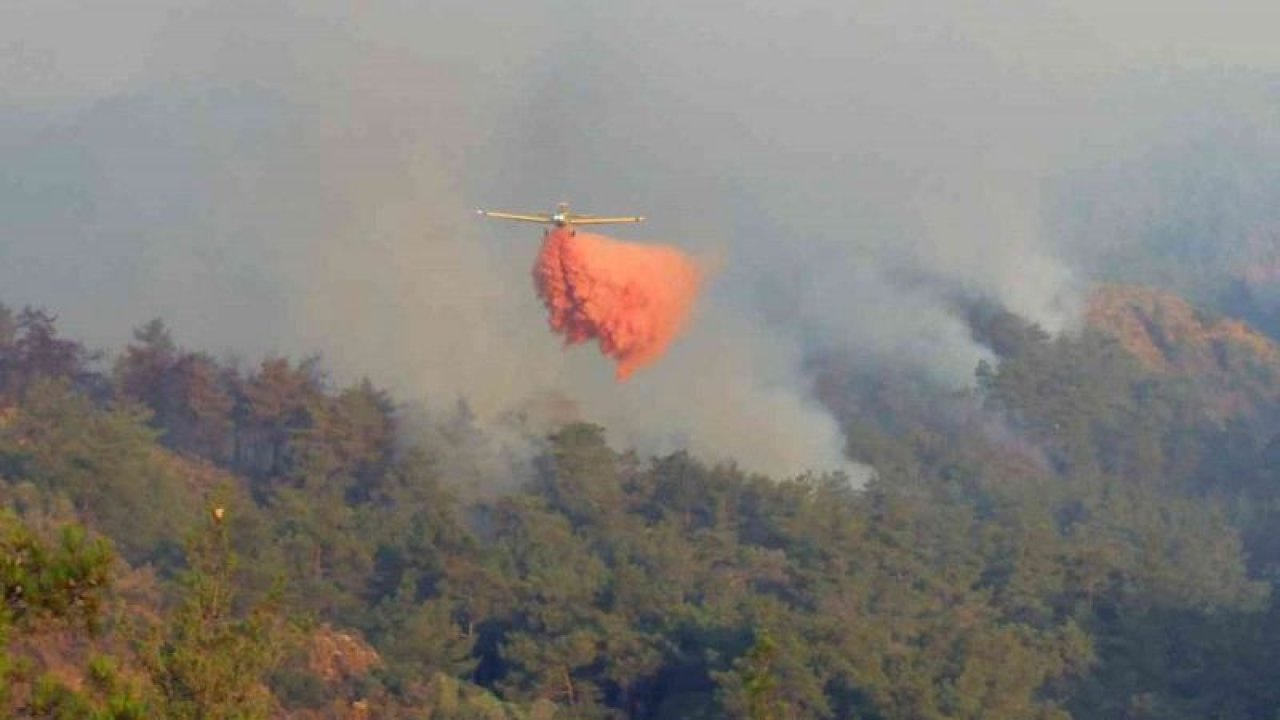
[[298, 176]]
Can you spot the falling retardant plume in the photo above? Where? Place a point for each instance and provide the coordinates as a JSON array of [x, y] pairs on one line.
[[633, 299]]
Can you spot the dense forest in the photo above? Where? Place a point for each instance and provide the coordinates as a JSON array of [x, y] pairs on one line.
[[1092, 531]]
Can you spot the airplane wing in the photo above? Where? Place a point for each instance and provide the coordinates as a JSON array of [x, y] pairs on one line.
[[593, 220], [515, 216]]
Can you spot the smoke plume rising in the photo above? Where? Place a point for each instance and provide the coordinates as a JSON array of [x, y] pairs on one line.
[[297, 176], [633, 299]]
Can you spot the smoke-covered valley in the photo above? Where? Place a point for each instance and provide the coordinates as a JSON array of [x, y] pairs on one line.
[[300, 177]]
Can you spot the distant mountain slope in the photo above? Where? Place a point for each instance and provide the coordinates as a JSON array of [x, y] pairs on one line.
[[1168, 335]]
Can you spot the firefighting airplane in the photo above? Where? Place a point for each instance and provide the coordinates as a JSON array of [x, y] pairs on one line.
[[562, 217]]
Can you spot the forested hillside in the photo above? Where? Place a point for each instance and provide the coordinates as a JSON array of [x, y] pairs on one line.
[[1091, 533]]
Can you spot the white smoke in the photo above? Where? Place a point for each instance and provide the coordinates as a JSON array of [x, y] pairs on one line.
[[298, 177]]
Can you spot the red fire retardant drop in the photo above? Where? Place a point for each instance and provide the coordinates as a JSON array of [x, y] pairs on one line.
[[633, 299]]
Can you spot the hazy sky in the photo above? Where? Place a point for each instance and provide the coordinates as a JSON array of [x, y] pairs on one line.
[[299, 177]]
